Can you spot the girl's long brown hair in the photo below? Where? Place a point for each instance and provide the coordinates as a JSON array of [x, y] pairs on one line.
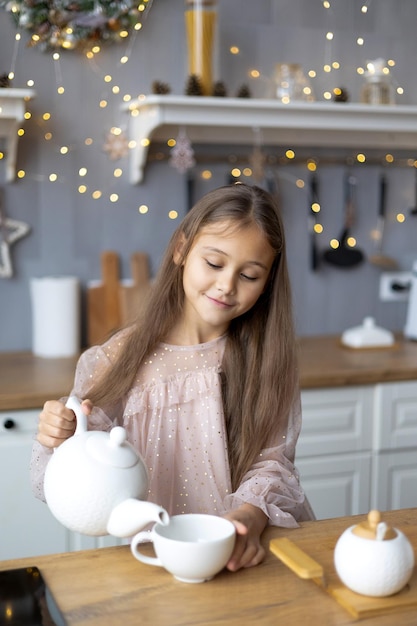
[[259, 371]]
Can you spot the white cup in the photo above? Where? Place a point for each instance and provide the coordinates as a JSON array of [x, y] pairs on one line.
[[192, 547]]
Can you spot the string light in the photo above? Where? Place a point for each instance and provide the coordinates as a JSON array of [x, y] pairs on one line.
[[328, 67], [68, 43]]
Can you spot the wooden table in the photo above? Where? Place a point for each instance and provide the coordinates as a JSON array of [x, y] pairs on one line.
[[109, 587]]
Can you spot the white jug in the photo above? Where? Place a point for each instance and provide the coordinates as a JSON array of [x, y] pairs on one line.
[[95, 483]]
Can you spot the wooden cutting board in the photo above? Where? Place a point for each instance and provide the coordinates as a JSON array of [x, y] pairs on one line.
[[103, 305], [132, 296], [357, 605]]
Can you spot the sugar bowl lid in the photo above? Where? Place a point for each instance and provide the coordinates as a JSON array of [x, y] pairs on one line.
[[374, 528]]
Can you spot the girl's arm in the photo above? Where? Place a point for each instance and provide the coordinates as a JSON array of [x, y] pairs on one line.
[[272, 483]]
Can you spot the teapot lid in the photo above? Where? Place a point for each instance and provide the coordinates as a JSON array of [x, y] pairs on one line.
[[369, 529], [112, 448]]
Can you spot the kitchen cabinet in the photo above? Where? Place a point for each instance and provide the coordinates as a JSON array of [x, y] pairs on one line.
[[395, 463], [334, 451], [27, 526], [230, 121], [358, 448]]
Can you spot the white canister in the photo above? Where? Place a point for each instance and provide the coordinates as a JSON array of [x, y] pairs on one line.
[[55, 316], [410, 329]]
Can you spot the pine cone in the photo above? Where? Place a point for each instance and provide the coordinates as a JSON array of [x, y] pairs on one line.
[[4, 80], [158, 87], [243, 92], [193, 86], [219, 89], [340, 94]]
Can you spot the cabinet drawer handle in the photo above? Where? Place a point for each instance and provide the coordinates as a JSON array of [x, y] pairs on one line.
[[9, 424]]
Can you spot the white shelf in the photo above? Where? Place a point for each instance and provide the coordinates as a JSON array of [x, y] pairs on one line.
[[12, 111], [236, 120]]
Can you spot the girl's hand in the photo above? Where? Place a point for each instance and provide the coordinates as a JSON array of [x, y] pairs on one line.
[[250, 522], [57, 423]]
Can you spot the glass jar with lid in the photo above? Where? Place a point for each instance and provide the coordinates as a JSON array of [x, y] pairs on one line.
[[291, 83], [378, 87]]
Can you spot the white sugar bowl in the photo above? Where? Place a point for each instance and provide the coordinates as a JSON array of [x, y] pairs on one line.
[[373, 559]]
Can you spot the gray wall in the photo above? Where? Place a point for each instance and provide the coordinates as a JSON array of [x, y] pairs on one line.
[[69, 229]]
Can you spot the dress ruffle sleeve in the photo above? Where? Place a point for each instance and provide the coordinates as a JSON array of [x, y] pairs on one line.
[[272, 484]]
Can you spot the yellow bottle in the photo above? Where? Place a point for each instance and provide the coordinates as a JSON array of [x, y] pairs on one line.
[[200, 24]]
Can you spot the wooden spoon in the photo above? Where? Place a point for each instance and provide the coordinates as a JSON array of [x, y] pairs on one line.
[[379, 259]]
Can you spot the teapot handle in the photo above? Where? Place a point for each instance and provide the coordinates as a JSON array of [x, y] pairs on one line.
[[74, 404]]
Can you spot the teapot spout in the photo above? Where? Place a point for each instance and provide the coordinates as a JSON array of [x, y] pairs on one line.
[[131, 516]]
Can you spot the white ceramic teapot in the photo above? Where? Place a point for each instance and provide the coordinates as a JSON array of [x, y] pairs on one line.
[[95, 482], [373, 559]]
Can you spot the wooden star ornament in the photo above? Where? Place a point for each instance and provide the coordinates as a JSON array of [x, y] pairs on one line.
[[10, 232]]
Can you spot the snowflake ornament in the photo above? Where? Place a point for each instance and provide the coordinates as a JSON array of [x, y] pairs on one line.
[[182, 154], [117, 146]]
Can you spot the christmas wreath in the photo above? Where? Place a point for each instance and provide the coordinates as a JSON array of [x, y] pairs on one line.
[[73, 24]]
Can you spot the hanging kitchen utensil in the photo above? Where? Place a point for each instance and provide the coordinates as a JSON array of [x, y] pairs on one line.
[[345, 256], [189, 190], [413, 209], [312, 221], [379, 259]]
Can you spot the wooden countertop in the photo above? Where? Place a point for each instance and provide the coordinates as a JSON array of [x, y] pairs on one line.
[[325, 362], [27, 381], [108, 587]]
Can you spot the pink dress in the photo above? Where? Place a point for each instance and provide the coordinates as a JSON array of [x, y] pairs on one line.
[[174, 417]]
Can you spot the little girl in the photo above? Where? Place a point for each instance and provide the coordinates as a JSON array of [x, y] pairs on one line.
[[205, 382]]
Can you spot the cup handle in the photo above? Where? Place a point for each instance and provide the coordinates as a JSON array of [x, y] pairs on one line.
[[134, 547]]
